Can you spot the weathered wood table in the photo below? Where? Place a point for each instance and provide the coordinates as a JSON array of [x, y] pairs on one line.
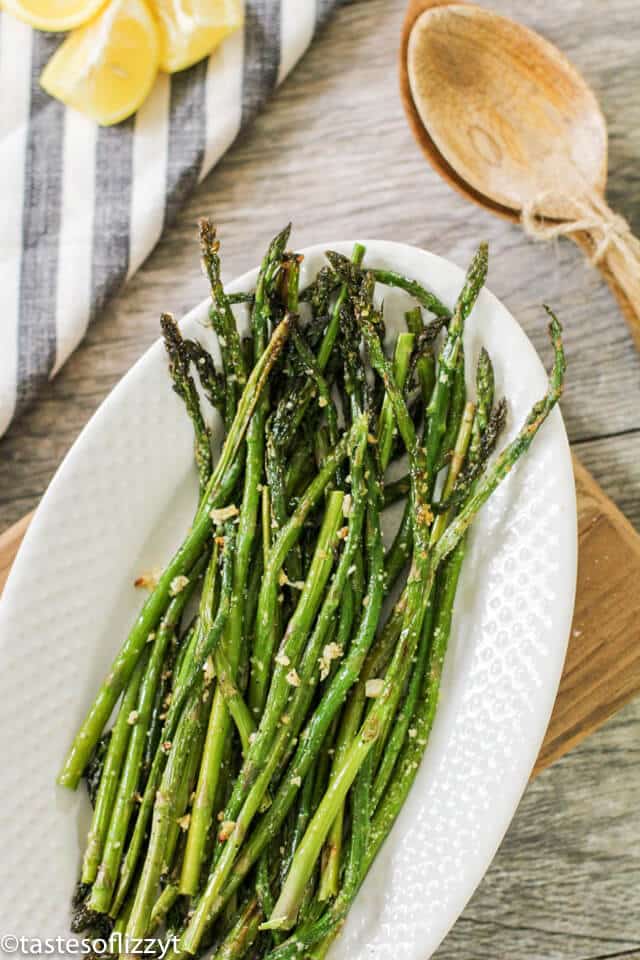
[[334, 154]]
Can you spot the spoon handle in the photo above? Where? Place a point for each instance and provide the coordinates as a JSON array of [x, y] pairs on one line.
[[616, 252]]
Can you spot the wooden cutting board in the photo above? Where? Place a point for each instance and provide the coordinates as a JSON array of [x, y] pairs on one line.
[[602, 669]]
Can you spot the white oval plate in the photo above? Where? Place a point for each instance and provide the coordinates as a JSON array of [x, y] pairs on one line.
[[121, 502]]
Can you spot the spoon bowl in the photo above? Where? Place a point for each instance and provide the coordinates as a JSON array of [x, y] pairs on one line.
[[532, 131]]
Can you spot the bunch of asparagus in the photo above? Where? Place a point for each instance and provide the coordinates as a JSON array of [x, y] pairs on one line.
[[270, 712]]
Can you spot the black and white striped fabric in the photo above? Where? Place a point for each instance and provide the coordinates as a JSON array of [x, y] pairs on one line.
[[83, 206]]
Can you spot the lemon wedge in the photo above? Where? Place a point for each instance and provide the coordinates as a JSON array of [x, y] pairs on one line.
[[192, 29], [53, 15], [106, 69]]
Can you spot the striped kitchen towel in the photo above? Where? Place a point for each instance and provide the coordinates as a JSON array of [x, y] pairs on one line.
[[83, 206]]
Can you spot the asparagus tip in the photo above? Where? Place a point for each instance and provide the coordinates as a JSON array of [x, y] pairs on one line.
[[556, 379], [279, 242], [207, 232], [479, 266]]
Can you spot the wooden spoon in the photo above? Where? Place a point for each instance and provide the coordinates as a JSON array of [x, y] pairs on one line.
[[508, 121]]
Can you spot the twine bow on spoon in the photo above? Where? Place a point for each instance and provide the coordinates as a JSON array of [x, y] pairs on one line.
[[605, 236]]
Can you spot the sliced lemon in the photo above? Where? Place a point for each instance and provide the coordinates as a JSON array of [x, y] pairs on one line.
[[106, 69], [53, 14], [192, 29]]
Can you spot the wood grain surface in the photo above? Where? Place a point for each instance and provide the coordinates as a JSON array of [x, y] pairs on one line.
[[10, 542], [602, 667], [333, 153]]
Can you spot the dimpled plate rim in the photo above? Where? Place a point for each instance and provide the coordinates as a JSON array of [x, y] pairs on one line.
[[120, 503]]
